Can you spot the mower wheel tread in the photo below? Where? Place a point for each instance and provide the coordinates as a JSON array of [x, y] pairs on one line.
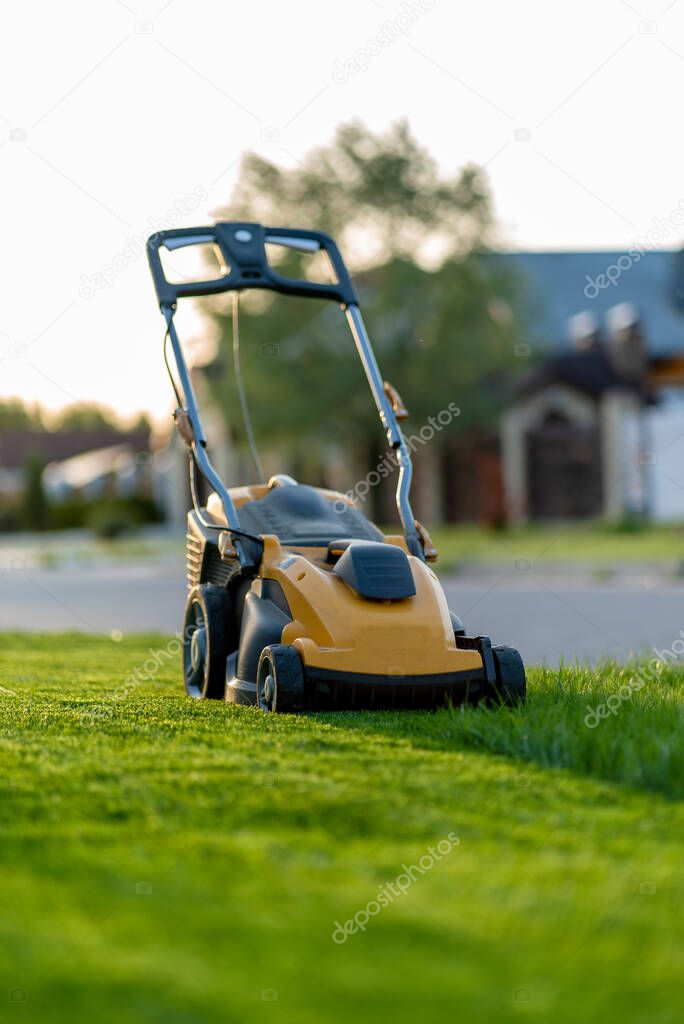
[[287, 674], [217, 614], [511, 685]]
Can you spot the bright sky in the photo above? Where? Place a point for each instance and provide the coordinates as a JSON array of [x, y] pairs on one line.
[[115, 114]]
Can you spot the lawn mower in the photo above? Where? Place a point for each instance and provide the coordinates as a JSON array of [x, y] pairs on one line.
[[297, 601]]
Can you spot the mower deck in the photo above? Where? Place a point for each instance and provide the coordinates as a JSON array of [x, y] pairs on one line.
[[328, 690]]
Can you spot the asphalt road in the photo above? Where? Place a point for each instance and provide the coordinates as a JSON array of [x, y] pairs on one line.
[[547, 622]]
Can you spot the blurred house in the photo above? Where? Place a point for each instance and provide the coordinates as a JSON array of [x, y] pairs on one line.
[[594, 426], [117, 471], [87, 463], [585, 434], [574, 442]]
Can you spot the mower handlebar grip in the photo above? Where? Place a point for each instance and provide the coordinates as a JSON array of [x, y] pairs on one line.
[[243, 248]]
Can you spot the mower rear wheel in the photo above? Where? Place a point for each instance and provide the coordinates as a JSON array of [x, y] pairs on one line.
[[280, 679], [208, 638], [511, 685]]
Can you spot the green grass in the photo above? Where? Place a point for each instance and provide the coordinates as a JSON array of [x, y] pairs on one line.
[[170, 861], [561, 542]]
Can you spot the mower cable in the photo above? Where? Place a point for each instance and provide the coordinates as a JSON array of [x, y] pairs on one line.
[[192, 463], [241, 392], [205, 522], [168, 368]]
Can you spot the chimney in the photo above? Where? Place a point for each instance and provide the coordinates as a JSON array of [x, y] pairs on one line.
[[584, 331], [625, 346]]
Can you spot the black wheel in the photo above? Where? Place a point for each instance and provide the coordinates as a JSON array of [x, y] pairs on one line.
[[280, 679], [208, 632], [510, 687]]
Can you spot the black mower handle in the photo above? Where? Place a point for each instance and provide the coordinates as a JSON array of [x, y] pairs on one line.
[[243, 247]]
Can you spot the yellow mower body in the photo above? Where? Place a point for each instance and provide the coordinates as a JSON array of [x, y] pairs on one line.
[[389, 651]]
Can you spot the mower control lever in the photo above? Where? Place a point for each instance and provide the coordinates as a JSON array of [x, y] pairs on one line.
[[226, 546], [184, 426], [429, 549], [395, 400]]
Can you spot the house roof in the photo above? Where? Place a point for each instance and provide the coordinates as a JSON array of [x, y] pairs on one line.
[[18, 446], [590, 372], [553, 288], [80, 470]]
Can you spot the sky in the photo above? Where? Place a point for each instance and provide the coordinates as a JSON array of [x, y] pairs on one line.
[[118, 118]]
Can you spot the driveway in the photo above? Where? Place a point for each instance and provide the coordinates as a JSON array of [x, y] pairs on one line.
[[547, 620]]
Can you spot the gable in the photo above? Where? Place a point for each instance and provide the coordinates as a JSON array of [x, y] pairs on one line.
[[557, 285]]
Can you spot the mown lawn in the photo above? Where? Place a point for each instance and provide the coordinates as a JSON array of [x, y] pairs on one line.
[[600, 543], [168, 861]]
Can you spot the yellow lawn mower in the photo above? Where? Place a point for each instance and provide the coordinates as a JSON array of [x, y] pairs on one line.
[[296, 600]]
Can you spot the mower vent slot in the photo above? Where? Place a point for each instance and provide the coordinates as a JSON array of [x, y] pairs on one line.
[[193, 559], [215, 570], [204, 563], [380, 573], [331, 691]]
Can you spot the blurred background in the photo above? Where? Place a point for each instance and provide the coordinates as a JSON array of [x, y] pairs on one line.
[[518, 254]]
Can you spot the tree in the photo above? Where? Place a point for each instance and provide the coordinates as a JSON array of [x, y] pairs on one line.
[[373, 193], [142, 424], [86, 416], [15, 415], [34, 502], [441, 316]]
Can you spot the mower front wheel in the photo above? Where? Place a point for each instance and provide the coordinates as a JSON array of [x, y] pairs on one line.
[[280, 679], [511, 684], [208, 638]]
